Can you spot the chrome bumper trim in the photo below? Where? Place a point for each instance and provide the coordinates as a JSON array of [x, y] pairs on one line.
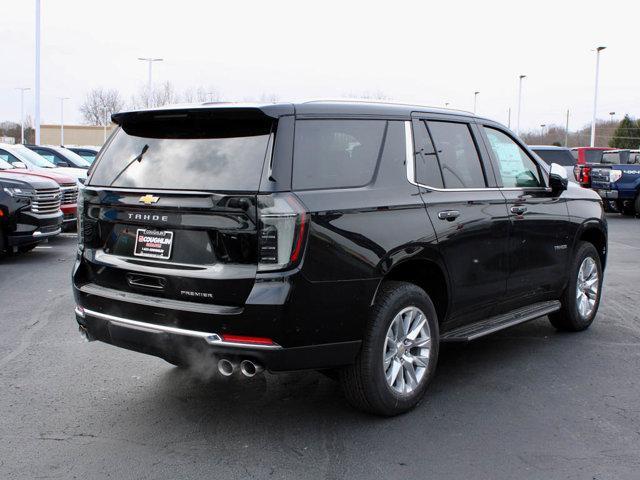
[[210, 338], [158, 302]]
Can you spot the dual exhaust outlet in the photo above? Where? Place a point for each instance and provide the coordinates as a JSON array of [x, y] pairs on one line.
[[247, 367]]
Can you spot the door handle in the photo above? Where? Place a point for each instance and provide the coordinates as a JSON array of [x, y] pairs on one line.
[[518, 209], [449, 215]]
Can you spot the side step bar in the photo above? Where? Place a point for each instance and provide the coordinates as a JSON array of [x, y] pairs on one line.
[[479, 329]]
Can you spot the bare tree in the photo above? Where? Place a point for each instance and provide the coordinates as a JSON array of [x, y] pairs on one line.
[[164, 95], [201, 94], [366, 95], [99, 104]]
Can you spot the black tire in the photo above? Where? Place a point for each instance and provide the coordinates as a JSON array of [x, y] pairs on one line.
[[568, 318], [637, 205], [627, 208], [2, 244], [364, 383]]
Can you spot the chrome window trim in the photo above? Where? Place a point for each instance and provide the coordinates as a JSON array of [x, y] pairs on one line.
[[411, 174]]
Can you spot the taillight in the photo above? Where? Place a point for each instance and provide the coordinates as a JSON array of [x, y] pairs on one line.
[[282, 230], [80, 217], [585, 177]]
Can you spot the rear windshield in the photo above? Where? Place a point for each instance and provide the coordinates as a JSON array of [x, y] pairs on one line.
[[593, 156], [186, 154], [561, 157]]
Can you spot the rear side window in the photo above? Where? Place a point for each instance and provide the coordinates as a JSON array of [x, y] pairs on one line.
[[561, 157], [211, 154], [611, 158], [517, 169], [457, 154], [427, 166], [336, 153]]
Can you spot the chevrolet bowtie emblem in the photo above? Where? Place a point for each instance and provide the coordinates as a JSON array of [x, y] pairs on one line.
[[148, 199]]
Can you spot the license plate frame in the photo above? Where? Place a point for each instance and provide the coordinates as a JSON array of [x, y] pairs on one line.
[[153, 243]]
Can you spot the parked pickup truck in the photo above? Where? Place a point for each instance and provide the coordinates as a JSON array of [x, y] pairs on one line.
[[618, 183]]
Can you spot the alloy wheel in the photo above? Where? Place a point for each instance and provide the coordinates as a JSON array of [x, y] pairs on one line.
[[406, 350], [587, 287]]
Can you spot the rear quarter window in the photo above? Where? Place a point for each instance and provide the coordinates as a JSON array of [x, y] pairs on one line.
[[336, 153]]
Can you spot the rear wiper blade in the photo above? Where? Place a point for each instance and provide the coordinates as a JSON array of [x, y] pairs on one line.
[[137, 158]]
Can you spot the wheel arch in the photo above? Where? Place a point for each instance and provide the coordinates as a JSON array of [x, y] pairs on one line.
[[594, 233], [426, 273]]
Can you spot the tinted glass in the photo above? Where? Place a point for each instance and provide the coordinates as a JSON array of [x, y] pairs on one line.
[[32, 157], [517, 169], [427, 166], [201, 154], [457, 155], [4, 164], [72, 158], [50, 156], [593, 156], [561, 157], [7, 160], [336, 153]]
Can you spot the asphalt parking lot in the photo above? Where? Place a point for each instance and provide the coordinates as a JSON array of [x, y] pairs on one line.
[[524, 403]]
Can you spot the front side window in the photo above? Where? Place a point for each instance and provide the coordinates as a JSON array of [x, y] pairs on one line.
[[457, 154], [516, 168], [336, 153], [49, 156]]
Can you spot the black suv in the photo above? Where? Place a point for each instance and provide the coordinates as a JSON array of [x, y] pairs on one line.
[[347, 237], [29, 210]]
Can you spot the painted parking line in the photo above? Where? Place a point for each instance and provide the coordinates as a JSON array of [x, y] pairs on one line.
[[42, 246]]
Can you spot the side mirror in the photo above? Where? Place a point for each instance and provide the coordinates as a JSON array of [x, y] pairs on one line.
[[558, 179], [19, 165]]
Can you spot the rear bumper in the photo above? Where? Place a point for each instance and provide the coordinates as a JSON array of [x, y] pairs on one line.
[[179, 345]]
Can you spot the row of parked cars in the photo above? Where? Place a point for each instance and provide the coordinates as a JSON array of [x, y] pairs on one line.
[[38, 192], [613, 173]]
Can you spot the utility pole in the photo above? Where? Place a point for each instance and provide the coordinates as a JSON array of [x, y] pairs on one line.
[[22, 90], [62, 99], [519, 102], [595, 97], [149, 81], [566, 131], [37, 99]]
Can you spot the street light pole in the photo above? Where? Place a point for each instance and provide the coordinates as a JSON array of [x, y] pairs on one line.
[[595, 97], [519, 102], [62, 99], [475, 101], [542, 127], [150, 61], [106, 119], [611, 114], [22, 90], [37, 99], [566, 132]]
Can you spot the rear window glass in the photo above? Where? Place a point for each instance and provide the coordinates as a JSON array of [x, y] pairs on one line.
[[593, 156], [336, 153], [186, 154], [561, 157], [457, 154]]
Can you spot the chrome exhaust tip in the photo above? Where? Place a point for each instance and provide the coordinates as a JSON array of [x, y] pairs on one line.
[[250, 369], [226, 367]]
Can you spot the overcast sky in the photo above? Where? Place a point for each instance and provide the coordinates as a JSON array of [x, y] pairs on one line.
[[425, 52]]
